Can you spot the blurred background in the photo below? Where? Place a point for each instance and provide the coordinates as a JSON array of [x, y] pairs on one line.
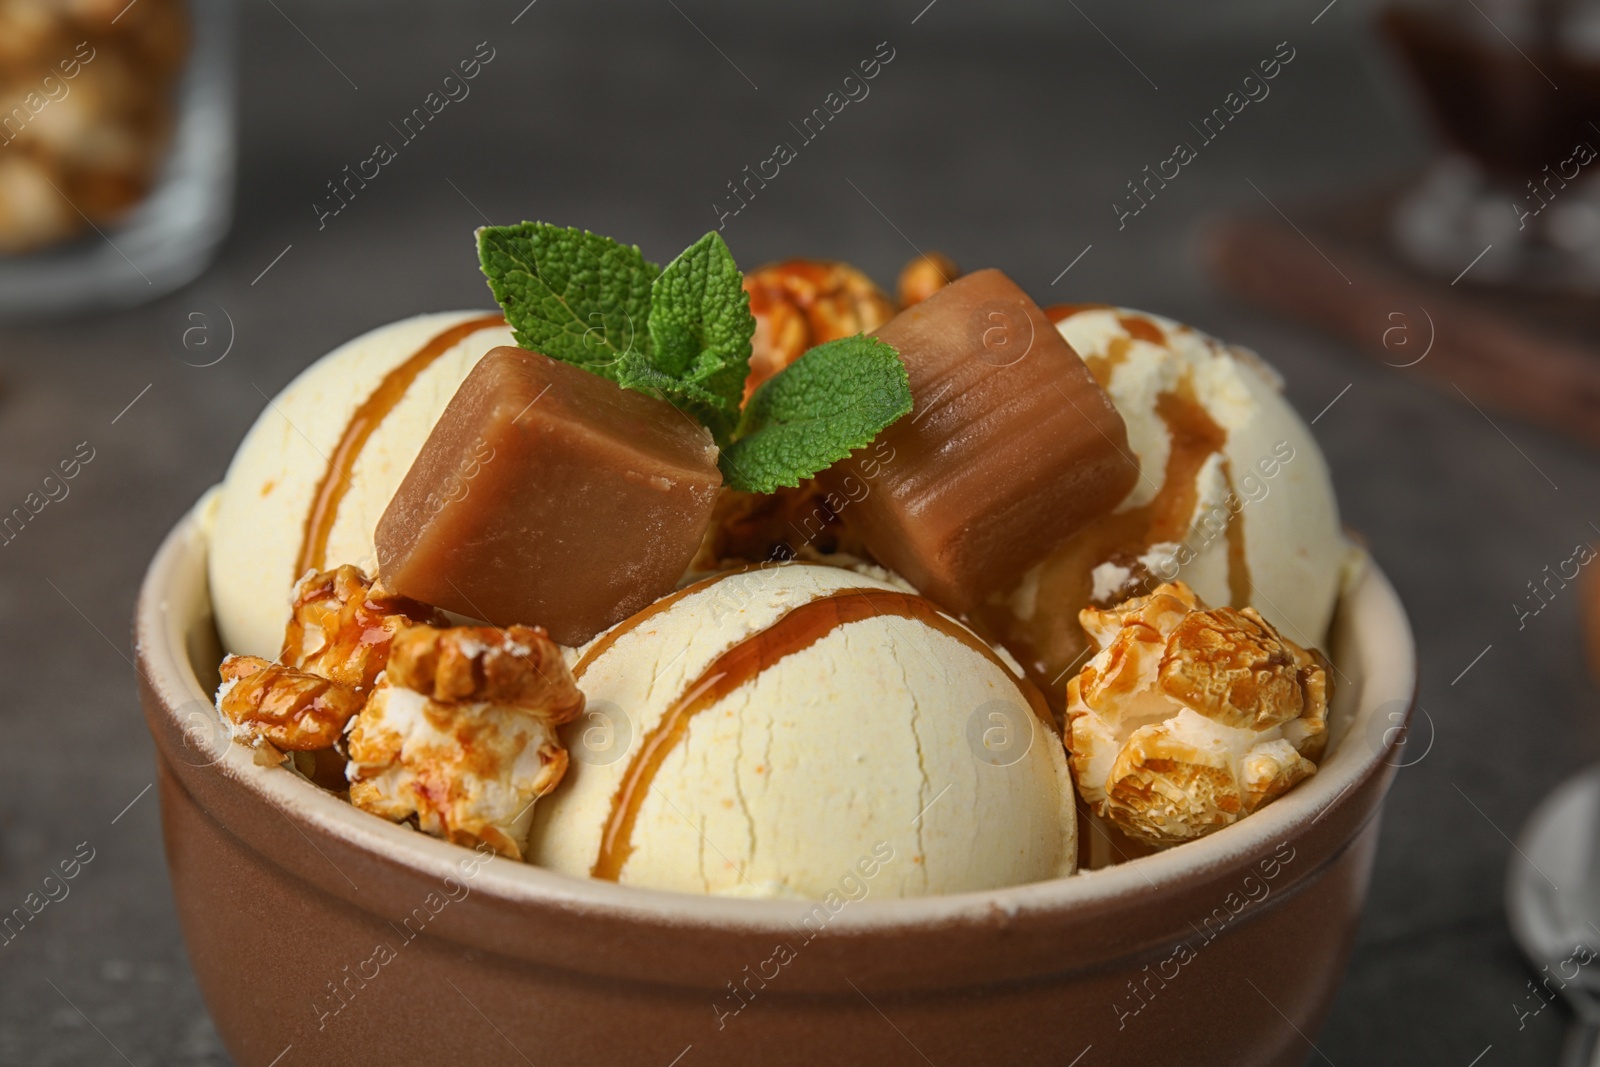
[[144, 332]]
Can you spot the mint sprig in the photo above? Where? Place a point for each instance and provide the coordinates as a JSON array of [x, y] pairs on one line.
[[700, 330], [683, 334], [571, 294], [831, 401]]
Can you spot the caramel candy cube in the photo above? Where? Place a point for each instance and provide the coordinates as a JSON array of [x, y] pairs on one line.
[[1010, 448], [549, 496]]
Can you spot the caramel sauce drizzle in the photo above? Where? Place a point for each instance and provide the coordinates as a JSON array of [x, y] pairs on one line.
[[374, 409], [639, 618], [1239, 584], [1143, 330], [1104, 366], [1135, 326], [796, 631], [1137, 329]]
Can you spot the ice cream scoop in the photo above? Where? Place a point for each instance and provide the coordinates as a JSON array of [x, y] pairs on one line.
[[314, 474], [766, 732], [1233, 496]]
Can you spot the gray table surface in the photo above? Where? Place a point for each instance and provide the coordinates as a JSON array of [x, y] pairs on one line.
[[1002, 141]]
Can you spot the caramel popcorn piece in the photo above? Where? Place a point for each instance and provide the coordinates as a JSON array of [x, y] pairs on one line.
[[801, 303], [460, 733], [786, 524], [87, 98], [335, 646], [1233, 668], [1190, 718], [924, 276], [518, 665], [341, 626], [292, 710], [454, 727]]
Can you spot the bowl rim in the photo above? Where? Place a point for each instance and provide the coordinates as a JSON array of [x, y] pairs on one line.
[[1370, 621]]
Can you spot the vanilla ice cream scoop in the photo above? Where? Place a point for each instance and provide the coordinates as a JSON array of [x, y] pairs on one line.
[[1189, 718], [314, 474], [777, 731], [1233, 496]]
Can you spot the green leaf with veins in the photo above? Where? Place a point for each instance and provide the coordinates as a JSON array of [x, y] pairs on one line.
[[684, 333], [831, 401], [570, 294], [700, 330]]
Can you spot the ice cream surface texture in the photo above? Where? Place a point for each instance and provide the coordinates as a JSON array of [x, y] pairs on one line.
[[764, 732], [314, 474]]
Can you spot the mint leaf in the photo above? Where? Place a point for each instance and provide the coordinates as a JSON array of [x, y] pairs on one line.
[[684, 333], [700, 330], [831, 401], [571, 294]]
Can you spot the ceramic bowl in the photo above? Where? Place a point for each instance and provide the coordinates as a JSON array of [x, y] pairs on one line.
[[320, 934]]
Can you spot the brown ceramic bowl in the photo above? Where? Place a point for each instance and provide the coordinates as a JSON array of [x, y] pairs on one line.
[[324, 935]]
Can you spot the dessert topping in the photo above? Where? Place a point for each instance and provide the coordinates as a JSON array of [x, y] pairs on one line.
[[335, 646], [1014, 446], [546, 494], [460, 734], [292, 710], [924, 276], [805, 418], [341, 627], [517, 666], [1190, 718], [581, 298], [804, 302]]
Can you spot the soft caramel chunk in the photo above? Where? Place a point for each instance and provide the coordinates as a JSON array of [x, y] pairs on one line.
[[547, 495], [1010, 448]]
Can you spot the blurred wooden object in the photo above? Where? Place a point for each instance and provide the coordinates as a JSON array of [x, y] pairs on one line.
[[1535, 356], [1589, 596]]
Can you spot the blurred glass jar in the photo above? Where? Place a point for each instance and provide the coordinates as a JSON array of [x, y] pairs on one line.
[[116, 148], [1513, 86]]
